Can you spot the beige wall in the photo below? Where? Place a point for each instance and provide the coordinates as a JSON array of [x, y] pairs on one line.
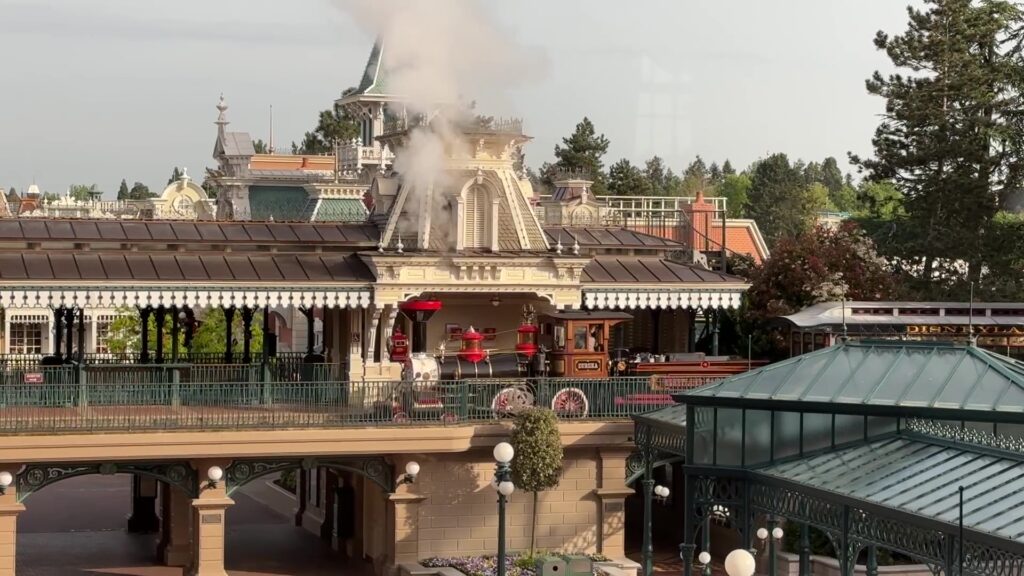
[[458, 514], [479, 313]]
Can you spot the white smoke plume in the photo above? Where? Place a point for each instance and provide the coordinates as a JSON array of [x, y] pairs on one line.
[[438, 56]]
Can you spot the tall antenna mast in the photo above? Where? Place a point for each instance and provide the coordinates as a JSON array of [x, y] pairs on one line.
[[271, 145], [970, 319]]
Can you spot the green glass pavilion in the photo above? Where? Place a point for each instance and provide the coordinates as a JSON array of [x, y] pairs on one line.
[[867, 441]]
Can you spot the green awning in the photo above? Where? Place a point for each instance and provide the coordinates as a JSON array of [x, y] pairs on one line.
[[663, 429], [919, 476], [932, 379]]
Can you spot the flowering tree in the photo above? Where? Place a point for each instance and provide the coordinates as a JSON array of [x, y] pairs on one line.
[[822, 265]]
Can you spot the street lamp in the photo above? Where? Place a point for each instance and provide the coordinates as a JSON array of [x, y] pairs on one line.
[[775, 533], [412, 469], [6, 479], [214, 475], [503, 454], [740, 562]]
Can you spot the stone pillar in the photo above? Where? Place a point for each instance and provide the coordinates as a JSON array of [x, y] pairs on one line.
[[9, 510], [402, 535], [175, 548], [612, 492], [208, 516], [143, 519]]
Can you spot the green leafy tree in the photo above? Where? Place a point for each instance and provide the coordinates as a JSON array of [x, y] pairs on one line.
[[881, 200], [125, 333], [846, 199], [817, 197], [625, 179], [584, 150], [779, 199], [140, 191], [122, 191], [333, 127], [735, 188], [951, 137], [537, 465], [81, 192]]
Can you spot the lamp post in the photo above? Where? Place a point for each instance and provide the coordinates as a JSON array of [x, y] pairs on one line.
[[503, 454], [772, 534], [739, 562]]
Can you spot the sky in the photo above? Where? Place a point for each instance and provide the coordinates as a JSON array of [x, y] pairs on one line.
[[97, 91]]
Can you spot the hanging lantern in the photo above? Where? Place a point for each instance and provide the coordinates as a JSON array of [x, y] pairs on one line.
[[472, 346]]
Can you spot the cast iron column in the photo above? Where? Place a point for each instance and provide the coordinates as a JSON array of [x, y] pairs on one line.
[[648, 486], [266, 333], [69, 325], [161, 317], [502, 474], [247, 314], [772, 524], [229, 319], [81, 335], [805, 550], [707, 539], [144, 351], [714, 333], [58, 330], [175, 333], [686, 551], [310, 335], [872, 561]]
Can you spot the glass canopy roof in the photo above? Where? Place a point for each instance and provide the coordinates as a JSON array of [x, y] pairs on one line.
[[921, 477], [863, 376]]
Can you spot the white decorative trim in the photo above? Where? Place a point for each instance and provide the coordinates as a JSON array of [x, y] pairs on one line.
[[626, 300], [97, 297], [28, 318]]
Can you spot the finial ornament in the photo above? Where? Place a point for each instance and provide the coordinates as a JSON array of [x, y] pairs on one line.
[[575, 246], [558, 246], [400, 246]]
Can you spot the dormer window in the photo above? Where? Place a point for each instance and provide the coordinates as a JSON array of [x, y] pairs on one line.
[[479, 219]]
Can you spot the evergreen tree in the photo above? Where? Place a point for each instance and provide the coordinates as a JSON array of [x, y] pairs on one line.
[[735, 188], [696, 170], [625, 179], [122, 191], [140, 191], [12, 192], [175, 176], [583, 150], [951, 137], [727, 169], [831, 175], [715, 174], [779, 199], [657, 176], [260, 147]]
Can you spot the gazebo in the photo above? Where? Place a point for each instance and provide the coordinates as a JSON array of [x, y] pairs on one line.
[[913, 447]]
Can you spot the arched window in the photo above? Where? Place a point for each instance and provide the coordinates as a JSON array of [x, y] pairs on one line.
[[478, 218]]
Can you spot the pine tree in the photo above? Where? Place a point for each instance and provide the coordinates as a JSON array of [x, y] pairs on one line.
[[625, 179], [122, 191], [779, 199], [657, 176], [696, 170], [715, 174], [175, 176], [727, 169], [583, 150], [951, 138], [831, 175]]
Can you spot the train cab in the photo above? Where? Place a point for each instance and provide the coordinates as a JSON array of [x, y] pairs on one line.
[[579, 342]]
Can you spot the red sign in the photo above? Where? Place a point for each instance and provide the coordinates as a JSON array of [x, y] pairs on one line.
[[33, 378]]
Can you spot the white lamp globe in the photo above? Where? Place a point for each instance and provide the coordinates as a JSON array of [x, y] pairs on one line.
[[412, 468], [504, 453], [506, 488], [215, 473], [6, 479], [704, 558], [762, 533], [665, 491], [740, 563], [777, 533]]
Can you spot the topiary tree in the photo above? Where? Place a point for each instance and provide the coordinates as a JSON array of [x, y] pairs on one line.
[[537, 464]]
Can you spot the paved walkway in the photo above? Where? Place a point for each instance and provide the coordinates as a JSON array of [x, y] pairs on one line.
[[76, 528]]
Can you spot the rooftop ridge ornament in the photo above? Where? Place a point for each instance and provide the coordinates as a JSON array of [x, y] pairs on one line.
[[575, 246], [400, 246], [558, 246]]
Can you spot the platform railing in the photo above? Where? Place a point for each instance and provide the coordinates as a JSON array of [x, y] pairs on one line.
[[57, 406]]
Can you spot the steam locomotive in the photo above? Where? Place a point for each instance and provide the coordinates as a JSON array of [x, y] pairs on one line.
[[570, 345]]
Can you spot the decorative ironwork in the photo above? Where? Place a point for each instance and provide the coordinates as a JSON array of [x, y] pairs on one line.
[[35, 477], [965, 435], [241, 472], [664, 438], [980, 560], [635, 464]]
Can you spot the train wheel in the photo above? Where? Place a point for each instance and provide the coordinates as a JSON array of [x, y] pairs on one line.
[[570, 403], [449, 418], [399, 415], [511, 400]]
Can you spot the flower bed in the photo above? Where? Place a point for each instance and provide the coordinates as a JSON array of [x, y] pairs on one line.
[[515, 564]]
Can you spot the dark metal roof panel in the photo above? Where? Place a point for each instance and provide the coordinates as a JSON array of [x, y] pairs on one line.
[[111, 230], [83, 229], [235, 233], [192, 267], [314, 269], [215, 266], [34, 229], [12, 267], [38, 267], [10, 229], [161, 231], [136, 231], [210, 232], [141, 267], [115, 266], [241, 268], [166, 267], [185, 231], [63, 266], [259, 232], [266, 269]]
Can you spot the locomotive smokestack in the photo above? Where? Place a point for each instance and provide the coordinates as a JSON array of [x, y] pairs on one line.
[[419, 312]]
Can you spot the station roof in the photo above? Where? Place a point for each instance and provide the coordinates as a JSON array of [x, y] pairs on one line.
[[920, 476], [930, 379], [199, 232], [650, 270]]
